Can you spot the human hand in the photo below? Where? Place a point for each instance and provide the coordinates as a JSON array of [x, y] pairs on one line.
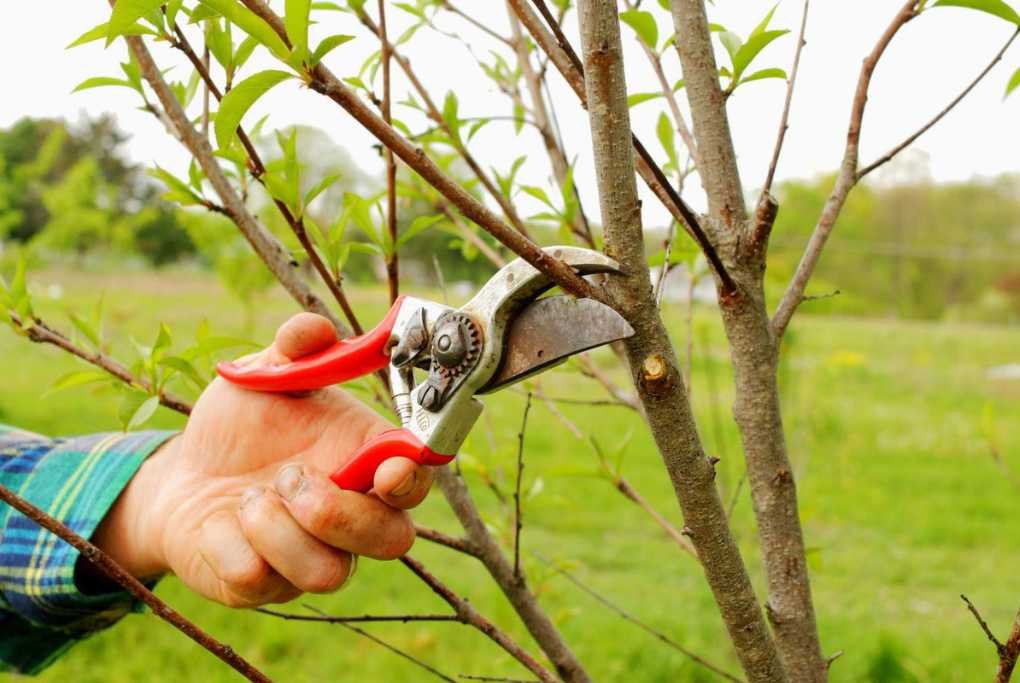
[[240, 506]]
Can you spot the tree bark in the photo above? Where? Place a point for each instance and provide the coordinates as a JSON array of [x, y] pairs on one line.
[[653, 363], [754, 355]]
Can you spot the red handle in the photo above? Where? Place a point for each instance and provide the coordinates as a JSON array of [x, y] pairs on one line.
[[359, 473], [343, 361]]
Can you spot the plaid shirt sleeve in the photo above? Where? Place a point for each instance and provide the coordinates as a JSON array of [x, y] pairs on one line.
[[76, 480]]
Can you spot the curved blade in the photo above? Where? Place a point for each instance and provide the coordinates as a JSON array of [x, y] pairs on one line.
[[548, 331]]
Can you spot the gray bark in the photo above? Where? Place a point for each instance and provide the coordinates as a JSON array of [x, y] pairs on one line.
[[754, 355], [653, 362]]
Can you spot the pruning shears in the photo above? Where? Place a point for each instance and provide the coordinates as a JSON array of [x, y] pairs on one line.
[[508, 331]]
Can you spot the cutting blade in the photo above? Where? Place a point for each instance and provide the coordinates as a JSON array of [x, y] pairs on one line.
[[550, 330]]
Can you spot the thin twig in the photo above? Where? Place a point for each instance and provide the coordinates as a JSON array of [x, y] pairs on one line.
[[518, 522], [392, 648], [461, 545], [474, 22], [982, 623], [472, 617], [392, 259], [662, 637], [785, 117], [493, 679], [41, 333], [364, 618], [845, 180], [105, 564], [938, 117]]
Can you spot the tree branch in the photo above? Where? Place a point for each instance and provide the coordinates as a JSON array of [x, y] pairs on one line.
[[785, 117], [41, 333], [662, 637], [652, 359], [938, 117], [105, 564], [471, 616], [1008, 652], [362, 619], [518, 522], [845, 181], [392, 260], [569, 65], [461, 545]]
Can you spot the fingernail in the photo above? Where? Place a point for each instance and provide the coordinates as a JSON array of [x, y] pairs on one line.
[[249, 495], [404, 487], [350, 572], [290, 481]]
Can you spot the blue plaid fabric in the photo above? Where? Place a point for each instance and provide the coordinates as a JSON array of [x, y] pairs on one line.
[[76, 480]]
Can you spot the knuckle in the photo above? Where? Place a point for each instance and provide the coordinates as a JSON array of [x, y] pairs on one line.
[[326, 577], [325, 515], [398, 542], [249, 575]]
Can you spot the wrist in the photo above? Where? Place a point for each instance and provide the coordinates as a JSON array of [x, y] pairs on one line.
[[132, 531]]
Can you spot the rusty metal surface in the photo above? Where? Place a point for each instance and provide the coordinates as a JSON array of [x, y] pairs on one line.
[[550, 330]]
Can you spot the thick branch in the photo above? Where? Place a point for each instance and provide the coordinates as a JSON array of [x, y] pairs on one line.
[[105, 564], [845, 181], [471, 616], [653, 362]]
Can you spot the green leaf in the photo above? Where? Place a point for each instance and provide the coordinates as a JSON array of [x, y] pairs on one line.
[[141, 414], [251, 24], [126, 13], [321, 187], [764, 23], [184, 367], [643, 24], [238, 101], [639, 97], [178, 189], [101, 82], [295, 20], [539, 194], [994, 7], [418, 225], [664, 131], [102, 30], [763, 74], [84, 328], [327, 45], [749, 50], [173, 7], [76, 379], [732, 42], [450, 107], [1014, 82]]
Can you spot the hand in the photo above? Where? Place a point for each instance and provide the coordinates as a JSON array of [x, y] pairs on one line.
[[240, 507]]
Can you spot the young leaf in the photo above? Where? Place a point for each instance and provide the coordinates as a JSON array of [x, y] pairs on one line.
[[126, 13], [321, 187], [76, 379], [141, 413], [639, 97], [997, 8], [239, 100], [643, 24], [251, 24], [450, 107], [1014, 82], [101, 82], [84, 328], [185, 368], [418, 225], [749, 50], [296, 17], [102, 30], [664, 130], [178, 189], [765, 73], [327, 45]]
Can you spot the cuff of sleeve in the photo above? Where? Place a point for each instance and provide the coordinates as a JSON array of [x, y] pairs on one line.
[[77, 482]]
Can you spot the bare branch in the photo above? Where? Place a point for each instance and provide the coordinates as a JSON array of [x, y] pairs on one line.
[[41, 333], [662, 637], [392, 259], [461, 545], [624, 487], [845, 181], [785, 117], [471, 616], [105, 564], [1008, 652], [983, 624], [392, 648], [938, 117], [361, 619], [474, 22], [518, 522]]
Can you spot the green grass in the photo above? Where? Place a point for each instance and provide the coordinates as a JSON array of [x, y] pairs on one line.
[[890, 424]]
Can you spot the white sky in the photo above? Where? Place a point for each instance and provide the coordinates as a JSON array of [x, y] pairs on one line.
[[928, 63]]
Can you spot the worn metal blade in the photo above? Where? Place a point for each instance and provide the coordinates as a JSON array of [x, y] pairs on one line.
[[548, 331]]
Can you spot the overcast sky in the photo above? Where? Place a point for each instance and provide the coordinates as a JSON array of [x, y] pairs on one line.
[[927, 64]]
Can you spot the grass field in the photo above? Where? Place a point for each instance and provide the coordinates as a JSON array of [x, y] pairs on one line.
[[892, 426]]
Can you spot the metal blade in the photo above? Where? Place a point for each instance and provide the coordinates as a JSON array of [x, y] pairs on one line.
[[550, 330]]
